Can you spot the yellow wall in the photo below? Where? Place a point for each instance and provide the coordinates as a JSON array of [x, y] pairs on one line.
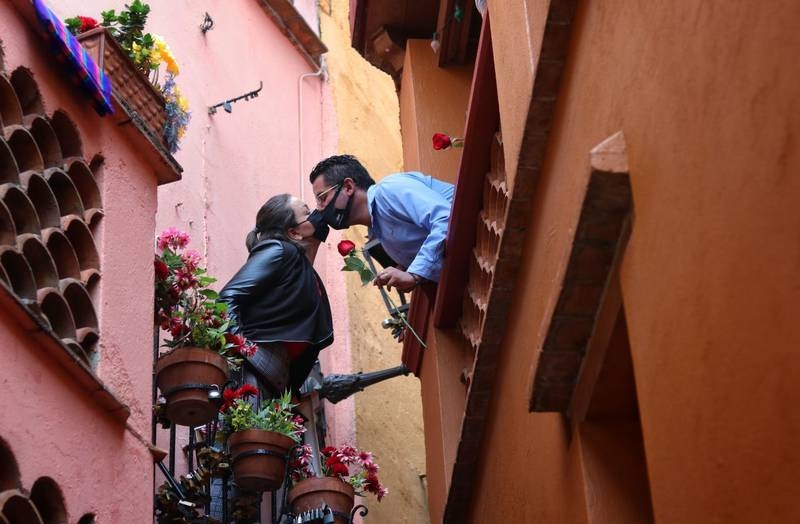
[[388, 415]]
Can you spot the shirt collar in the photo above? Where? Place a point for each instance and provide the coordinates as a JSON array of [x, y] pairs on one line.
[[373, 230]]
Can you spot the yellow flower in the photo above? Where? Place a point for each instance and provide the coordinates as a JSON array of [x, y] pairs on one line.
[[183, 103], [172, 66]]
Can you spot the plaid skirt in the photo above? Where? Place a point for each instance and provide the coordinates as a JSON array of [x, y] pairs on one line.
[[268, 369]]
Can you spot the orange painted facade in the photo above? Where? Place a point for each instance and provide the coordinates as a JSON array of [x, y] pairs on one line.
[[623, 347]]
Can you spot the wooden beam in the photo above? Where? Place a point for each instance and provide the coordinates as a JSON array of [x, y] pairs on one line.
[[483, 121]]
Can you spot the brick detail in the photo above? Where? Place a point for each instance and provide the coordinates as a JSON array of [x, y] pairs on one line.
[[601, 227]]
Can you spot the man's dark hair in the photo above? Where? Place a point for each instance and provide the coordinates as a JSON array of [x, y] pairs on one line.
[[338, 167]]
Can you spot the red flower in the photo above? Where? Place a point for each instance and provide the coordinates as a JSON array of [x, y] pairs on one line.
[[87, 23], [345, 247], [236, 340], [441, 141], [247, 389], [162, 270]]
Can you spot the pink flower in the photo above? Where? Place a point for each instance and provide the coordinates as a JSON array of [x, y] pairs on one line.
[[185, 279], [191, 259], [173, 238], [371, 468]]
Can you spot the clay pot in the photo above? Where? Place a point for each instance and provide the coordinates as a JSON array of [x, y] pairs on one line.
[[187, 366], [126, 79], [258, 458], [314, 492]]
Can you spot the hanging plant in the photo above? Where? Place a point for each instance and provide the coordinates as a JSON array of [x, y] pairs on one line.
[[151, 55]]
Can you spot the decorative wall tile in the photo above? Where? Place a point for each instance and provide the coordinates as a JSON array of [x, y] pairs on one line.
[[50, 204]]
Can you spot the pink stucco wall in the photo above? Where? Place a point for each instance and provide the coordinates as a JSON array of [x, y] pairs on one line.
[[53, 426], [232, 164]]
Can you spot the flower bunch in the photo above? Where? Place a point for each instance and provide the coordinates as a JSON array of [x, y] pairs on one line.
[[357, 468], [148, 52], [80, 24], [178, 115], [185, 307], [442, 141], [238, 414]]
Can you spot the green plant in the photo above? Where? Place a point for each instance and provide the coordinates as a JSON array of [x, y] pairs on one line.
[[147, 52], [357, 468], [186, 307], [276, 414]]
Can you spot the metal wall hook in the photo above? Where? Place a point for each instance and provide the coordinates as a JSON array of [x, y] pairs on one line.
[[208, 23], [227, 105]]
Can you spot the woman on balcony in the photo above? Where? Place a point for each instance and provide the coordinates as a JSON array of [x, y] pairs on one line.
[[277, 299]]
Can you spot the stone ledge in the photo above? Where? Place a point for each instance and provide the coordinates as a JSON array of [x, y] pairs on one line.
[[44, 337]]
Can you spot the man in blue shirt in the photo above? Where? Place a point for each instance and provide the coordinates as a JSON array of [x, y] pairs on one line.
[[407, 212]]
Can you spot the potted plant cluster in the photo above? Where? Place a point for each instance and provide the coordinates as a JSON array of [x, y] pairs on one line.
[[345, 471], [201, 352], [134, 61], [259, 438]]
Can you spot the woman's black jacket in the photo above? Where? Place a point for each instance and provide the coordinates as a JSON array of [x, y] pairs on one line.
[[278, 297]]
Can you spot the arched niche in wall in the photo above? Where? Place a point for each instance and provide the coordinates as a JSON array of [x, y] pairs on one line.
[[8, 232], [9, 471], [30, 99], [69, 139], [82, 241], [57, 311], [85, 182], [10, 110], [22, 211], [23, 146], [46, 139], [63, 255], [20, 276], [43, 199], [49, 501], [40, 261], [66, 194], [9, 172]]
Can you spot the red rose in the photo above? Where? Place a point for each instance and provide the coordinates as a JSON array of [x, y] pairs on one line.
[[345, 247], [441, 141], [87, 23]]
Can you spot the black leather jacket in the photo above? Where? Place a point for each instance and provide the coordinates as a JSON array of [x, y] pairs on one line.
[[278, 297]]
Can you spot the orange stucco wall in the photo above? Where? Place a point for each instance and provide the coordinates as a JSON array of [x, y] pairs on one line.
[[706, 97], [433, 100], [706, 101]]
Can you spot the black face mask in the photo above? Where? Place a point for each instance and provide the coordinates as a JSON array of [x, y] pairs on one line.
[[321, 228], [337, 218]]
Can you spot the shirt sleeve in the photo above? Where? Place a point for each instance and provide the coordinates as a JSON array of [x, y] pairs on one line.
[[417, 203], [261, 271]]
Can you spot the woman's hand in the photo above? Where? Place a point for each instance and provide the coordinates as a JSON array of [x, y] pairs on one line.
[[393, 277]]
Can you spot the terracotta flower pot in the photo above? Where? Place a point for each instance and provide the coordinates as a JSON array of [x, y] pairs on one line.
[[258, 458], [182, 368], [127, 81], [314, 492]]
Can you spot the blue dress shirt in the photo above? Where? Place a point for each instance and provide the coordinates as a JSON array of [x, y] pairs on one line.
[[410, 212]]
